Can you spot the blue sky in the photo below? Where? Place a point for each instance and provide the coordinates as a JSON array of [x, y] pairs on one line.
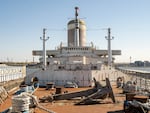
[[22, 21]]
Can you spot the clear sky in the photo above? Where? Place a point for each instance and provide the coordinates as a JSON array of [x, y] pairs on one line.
[[22, 21]]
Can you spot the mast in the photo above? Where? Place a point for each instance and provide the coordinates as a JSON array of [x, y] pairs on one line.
[[109, 38], [44, 51], [76, 37]]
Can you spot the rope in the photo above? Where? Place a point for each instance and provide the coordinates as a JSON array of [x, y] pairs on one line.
[[37, 103], [20, 103]]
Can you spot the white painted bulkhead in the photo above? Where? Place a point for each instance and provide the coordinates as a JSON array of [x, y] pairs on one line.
[[60, 77], [83, 78]]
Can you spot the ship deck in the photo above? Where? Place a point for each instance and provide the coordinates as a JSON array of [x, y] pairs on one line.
[[67, 106]]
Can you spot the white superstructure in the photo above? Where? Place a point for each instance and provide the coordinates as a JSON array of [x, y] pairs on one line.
[[76, 62]]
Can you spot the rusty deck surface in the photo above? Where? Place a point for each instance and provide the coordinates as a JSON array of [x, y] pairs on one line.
[[67, 106]]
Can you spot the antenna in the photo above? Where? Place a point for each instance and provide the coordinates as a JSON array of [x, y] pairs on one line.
[[44, 51], [109, 38], [76, 12]]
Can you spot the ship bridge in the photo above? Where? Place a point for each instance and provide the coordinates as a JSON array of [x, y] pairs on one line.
[[76, 50], [65, 52]]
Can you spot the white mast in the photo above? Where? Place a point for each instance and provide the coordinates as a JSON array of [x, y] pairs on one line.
[[44, 51], [109, 38]]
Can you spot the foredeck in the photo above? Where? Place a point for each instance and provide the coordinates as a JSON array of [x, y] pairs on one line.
[[67, 106]]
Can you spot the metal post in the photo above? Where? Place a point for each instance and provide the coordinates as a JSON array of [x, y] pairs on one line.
[[44, 51], [130, 60], [109, 38]]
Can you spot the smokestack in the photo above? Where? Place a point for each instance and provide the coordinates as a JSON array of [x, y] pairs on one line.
[[76, 31]]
